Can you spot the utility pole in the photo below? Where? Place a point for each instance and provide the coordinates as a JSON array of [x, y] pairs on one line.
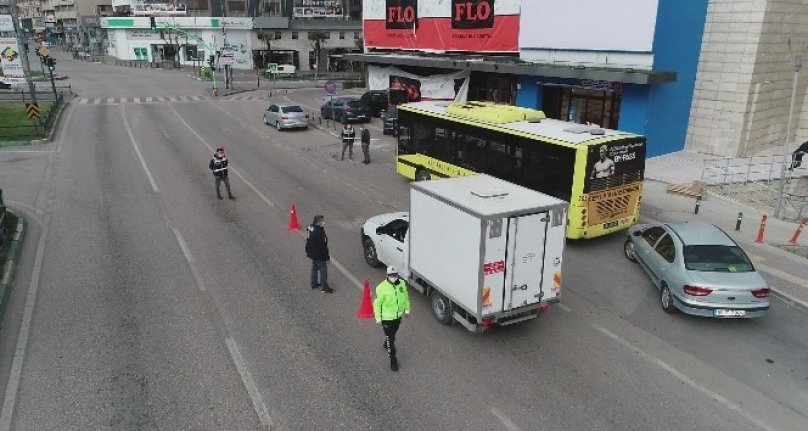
[[23, 52]]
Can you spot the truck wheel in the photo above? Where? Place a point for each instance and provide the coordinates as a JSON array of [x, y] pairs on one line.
[[371, 257], [441, 308], [422, 175]]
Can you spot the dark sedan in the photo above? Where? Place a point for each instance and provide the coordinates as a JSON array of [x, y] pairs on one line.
[[390, 121], [346, 110]]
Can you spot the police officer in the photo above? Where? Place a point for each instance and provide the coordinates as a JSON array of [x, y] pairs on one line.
[[218, 164], [391, 303], [364, 137], [348, 136]]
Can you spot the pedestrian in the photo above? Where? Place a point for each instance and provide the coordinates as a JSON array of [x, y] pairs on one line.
[[797, 156], [365, 138], [348, 136], [218, 164], [317, 251], [391, 303]]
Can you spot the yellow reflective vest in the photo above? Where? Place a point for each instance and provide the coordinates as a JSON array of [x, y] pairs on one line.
[[392, 300]]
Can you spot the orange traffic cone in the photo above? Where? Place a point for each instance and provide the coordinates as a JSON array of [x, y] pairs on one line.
[[365, 310], [293, 224]]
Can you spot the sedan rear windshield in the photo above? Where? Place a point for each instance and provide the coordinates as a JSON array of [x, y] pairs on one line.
[[716, 258], [287, 109]]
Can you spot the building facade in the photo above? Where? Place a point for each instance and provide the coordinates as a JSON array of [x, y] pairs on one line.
[[281, 31]]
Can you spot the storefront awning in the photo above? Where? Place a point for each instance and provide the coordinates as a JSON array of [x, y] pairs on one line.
[[628, 76]]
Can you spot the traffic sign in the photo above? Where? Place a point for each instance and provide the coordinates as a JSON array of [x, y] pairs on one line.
[[33, 110], [330, 88]]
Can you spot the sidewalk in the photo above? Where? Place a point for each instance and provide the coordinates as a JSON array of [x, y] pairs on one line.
[[786, 272]]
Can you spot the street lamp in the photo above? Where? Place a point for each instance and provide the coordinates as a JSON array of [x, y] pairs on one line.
[[797, 46]]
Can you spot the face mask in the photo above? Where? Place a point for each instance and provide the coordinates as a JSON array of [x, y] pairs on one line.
[[392, 279]]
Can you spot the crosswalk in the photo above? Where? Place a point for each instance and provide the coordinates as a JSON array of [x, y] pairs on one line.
[[166, 99]]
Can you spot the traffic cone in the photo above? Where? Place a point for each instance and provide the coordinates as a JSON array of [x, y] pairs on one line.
[[366, 307], [293, 224]]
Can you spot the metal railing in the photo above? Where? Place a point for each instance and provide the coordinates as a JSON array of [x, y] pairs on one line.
[[772, 183], [36, 129]]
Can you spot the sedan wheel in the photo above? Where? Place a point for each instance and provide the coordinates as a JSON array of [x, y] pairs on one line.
[[265, 120], [628, 250], [666, 299], [371, 257]]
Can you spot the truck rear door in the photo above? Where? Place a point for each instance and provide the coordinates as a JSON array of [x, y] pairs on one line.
[[524, 263]]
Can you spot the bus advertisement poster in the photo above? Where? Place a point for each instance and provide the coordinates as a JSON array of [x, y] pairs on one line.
[[615, 164]]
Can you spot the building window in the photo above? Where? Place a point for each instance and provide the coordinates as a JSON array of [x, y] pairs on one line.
[[342, 35], [236, 6], [327, 34], [270, 8], [277, 35], [294, 35]]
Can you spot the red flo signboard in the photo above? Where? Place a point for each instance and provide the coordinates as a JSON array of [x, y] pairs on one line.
[[448, 25]]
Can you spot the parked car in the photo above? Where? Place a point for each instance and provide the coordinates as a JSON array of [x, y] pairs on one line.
[[698, 270], [380, 100], [390, 121], [286, 116], [346, 110], [280, 70]]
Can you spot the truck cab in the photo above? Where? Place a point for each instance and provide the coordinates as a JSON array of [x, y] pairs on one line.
[[384, 241]]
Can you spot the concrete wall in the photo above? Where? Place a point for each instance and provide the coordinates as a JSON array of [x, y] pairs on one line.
[[743, 88]]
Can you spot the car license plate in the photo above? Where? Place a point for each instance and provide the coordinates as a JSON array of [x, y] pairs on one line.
[[610, 224], [730, 313]]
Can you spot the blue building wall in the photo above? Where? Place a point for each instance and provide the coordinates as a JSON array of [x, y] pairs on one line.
[[677, 45], [661, 111]]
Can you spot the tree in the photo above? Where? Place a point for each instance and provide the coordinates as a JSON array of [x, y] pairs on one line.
[[317, 39], [267, 37], [173, 45]]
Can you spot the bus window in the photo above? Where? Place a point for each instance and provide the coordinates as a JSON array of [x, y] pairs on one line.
[[423, 135], [404, 140], [501, 160], [473, 152], [549, 170]]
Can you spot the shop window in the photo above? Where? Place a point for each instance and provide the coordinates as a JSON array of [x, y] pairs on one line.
[[582, 105], [294, 35], [342, 35], [278, 35], [236, 6]]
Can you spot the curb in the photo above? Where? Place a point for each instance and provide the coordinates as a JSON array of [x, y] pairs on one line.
[[55, 124], [791, 301], [10, 267]]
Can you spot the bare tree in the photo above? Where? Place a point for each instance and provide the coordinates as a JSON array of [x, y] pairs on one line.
[[317, 39], [267, 37]]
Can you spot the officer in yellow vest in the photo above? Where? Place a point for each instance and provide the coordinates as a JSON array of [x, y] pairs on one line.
[[391, 303]]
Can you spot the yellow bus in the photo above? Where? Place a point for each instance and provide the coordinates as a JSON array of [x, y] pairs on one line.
[[599, 171]]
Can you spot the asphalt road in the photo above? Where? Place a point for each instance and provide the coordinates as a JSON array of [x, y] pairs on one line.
[[143, 302]]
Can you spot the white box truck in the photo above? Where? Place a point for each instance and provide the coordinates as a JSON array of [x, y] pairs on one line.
[[485, 251]]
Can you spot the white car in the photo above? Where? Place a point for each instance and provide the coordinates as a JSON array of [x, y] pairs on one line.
[[383, 238]]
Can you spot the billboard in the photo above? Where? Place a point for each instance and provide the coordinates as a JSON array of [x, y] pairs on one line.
[[6, 23], [318, 9], [445, 86], [442, 25], [157, 8], [623, 25], [10, 58], [613, 164]]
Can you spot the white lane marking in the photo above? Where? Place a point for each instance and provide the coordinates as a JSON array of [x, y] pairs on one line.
[[352, 278], [563, 307], [83, 101], [234, 171], [15, 374], [137, 151], [681, 376], [163, 131], [509, 425], [252, 388], [189, 258]]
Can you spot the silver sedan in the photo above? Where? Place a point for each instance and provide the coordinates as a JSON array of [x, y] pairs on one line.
[[698, 270], [286, 116]]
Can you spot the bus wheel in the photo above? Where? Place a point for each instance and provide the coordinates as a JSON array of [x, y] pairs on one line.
[[441, 308], [422, 175]]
